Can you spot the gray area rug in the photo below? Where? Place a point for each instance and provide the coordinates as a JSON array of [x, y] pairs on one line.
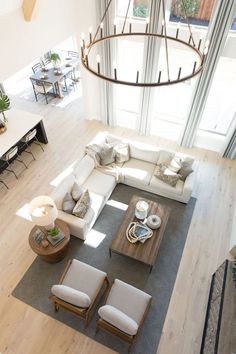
[[34, 287]]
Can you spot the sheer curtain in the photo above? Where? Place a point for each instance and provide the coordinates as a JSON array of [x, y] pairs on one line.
[[223, 15], [151, 56], [229, 149], [106, 88]]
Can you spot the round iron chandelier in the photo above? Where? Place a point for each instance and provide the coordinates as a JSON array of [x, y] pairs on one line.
[[173, 76]]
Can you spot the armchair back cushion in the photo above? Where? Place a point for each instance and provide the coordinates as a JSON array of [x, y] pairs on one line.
[[72, 296]]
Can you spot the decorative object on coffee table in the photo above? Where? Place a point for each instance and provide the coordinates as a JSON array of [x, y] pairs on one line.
[[141, 209], [153, 221], [43, 211], [137, 232], [142, 252], [50, 253]]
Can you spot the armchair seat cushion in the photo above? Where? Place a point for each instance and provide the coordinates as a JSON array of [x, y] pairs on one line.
[[118, 319], [72, 296], [84, 278]]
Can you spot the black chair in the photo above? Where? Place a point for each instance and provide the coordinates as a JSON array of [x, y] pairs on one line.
[[36, 67], [42, 88]]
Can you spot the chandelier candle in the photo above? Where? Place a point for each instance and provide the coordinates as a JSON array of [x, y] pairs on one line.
[[177, 31], [90, 34]]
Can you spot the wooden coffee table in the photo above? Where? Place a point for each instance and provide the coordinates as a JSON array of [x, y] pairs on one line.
[[143, 252], [51, 254]]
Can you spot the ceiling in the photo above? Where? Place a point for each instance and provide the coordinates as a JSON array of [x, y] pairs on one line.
[[7, 6]]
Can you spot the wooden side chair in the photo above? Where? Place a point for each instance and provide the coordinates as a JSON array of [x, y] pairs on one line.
[[124, 312], [79, 288]]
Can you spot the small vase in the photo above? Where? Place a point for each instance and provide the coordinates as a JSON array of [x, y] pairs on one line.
[[3, 126]]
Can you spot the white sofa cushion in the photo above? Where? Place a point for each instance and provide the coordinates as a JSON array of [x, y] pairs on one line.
[[60, 191], [143, 152], [138, 171], [72, 296], [113, 139], [83, 169], [128, 299], [97, 202], [159, 185], [84, 277], [118, 319], [100, 183]]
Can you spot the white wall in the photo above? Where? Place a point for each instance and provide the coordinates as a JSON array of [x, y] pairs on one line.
[[53, 21]]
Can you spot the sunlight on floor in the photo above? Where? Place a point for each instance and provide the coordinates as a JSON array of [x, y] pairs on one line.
[[23, 212], [117, 205], [68, 98], [94, 238]]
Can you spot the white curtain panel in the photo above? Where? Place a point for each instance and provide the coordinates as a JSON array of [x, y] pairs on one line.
[[151, 57], [229, 150], [106, 52], [222, 18]]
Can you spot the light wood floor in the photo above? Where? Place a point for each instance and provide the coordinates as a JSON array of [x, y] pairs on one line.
[[24, 330]]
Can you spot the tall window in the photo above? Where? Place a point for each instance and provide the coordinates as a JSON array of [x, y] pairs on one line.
[[138, 8]]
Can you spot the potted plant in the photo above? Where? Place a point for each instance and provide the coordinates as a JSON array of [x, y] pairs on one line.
[[4, 105], [55, 58], [54, 232]]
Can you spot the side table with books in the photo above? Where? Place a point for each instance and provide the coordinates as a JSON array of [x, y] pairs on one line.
[[51, 249]]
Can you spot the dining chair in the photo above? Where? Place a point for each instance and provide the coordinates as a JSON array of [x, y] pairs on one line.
[[36, 67], [8, 157], [72, 54], [41, 87], [46, 59], [4, 184], [27, 140]]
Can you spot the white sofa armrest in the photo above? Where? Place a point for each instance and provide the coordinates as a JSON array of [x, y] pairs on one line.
[[188, 187], [78, 227]]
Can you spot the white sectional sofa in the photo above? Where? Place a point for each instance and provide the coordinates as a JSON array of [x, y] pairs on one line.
[[137, 172]]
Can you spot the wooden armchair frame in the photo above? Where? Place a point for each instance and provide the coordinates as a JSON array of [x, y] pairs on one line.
[[102, 324], [84, 313]]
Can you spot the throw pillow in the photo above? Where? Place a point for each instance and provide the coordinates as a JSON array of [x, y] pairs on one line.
[[82, 205], [122, 152], [185, 171], [166, 175], [68, 203], [106, 154], [76, 191], [175, 164]]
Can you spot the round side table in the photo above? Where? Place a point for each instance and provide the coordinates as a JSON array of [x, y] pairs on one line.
[[51, 254]]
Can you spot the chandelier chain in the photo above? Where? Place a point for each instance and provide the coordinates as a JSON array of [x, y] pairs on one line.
[[126, 15]]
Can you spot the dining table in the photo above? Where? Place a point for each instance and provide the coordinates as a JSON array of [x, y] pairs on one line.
[[53, 76]]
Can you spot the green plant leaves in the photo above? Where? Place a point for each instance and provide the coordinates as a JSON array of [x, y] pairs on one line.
[[4, 103]]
